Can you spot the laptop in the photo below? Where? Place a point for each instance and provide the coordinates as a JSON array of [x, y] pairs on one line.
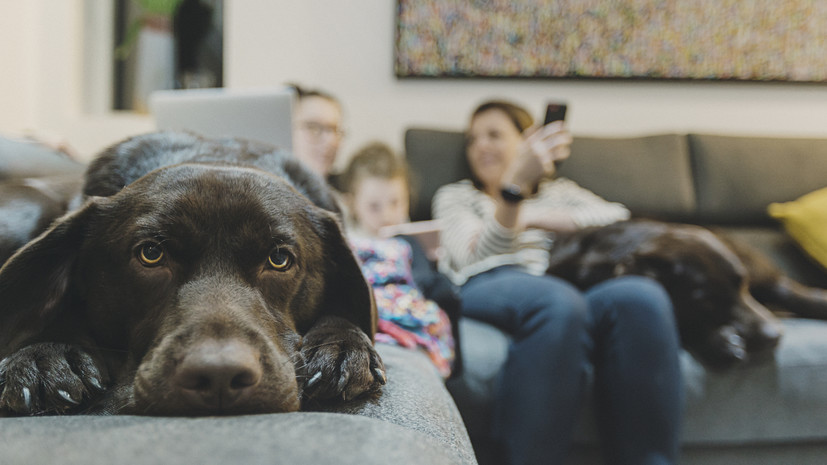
[[263, 114]]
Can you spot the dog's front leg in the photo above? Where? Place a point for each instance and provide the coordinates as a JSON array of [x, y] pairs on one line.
[[339, 362], [49, 377]]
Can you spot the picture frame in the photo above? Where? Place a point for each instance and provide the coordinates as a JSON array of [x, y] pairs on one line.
[[733, 40]]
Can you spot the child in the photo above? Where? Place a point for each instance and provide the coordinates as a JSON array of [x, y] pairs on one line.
[[377, 195]]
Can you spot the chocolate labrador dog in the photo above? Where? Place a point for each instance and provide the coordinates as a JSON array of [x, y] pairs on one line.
[[201, 277], [720, 289]]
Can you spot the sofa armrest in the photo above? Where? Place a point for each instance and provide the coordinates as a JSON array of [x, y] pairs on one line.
[[413, 422]]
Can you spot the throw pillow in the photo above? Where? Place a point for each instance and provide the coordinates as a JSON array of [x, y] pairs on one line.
[[805, 220]]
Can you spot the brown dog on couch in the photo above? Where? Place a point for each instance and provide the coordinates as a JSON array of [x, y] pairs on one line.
[[720, 289], [200, 277]]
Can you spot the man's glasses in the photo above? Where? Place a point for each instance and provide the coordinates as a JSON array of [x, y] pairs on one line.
[[317, 130]]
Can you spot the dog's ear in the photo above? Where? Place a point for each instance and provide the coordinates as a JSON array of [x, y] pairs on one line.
[[35, 281], [346, 292]]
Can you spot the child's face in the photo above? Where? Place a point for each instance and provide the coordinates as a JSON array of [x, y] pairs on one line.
[[380, 202]]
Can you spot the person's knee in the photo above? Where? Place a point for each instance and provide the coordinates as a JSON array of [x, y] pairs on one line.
[[633, 298], [560, 308]]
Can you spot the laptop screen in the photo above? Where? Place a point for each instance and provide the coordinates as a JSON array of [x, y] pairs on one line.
[[263, 114]]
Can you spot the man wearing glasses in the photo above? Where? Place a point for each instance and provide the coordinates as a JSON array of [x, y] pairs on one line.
[[317, 130]]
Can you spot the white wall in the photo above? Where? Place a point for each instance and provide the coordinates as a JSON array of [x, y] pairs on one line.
[[42, 75], [16, 86], [347, 48]]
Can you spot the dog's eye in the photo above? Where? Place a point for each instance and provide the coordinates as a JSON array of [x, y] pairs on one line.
[[151, 254], [280, 260]]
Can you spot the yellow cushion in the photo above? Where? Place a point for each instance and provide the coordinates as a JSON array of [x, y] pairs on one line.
[[805, 220]]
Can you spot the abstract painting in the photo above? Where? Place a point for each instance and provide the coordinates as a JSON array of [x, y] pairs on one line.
[[745, 40]]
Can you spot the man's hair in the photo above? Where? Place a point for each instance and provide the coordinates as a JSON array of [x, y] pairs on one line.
[[303, 93]]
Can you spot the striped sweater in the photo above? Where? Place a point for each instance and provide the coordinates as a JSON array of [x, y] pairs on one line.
[[473, 241]]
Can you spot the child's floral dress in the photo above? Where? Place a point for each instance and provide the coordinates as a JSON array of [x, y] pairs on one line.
[[406, 317]]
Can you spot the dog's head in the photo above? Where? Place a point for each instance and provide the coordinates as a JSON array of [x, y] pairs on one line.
[[709, 285], [192, 265]]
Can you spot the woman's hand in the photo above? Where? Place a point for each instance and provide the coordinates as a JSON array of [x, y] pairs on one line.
[[540, 149]]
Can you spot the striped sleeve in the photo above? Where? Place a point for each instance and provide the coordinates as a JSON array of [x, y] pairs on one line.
[[585, 207], [469, 231]]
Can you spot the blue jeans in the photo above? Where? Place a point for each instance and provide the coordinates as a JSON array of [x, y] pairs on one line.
[[624, 328]]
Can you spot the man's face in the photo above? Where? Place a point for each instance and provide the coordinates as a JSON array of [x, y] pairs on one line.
[[317, 133]]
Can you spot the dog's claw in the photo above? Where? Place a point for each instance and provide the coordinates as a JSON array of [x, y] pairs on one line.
[[48, 378], [315, 379], [96, 384], [27, 399], [67, 397], [380, 375]]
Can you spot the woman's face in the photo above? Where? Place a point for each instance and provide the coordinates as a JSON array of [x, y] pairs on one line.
[[493, 142], [317, 133]]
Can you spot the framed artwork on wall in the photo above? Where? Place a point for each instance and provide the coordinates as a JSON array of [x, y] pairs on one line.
[[738, 40]]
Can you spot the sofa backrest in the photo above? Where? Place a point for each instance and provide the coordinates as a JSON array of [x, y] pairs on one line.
[[435, 158], [736, 177], [703, 178], [651, 175]]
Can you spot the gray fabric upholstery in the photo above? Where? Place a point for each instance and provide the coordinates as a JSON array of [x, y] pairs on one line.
[[415, 397], [777, 400], [650, 175], [737, 177], [303, 438], [20, 159], [440, 159], [781, 249], [413, 422], [761, 402], [487, 349]]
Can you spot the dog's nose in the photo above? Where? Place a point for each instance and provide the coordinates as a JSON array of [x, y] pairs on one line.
[[217, 375]]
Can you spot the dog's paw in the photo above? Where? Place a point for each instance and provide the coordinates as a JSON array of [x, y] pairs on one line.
[[48, 378], [340, 363], [724, 348]]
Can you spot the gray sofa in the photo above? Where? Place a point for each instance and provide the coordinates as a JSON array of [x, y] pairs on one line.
[[767, 412], [414, 421]]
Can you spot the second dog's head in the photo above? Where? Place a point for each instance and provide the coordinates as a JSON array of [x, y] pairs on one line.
[[718, 317]]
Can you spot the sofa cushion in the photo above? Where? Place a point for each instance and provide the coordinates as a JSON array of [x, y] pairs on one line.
[[436, 158], [777, 400], [413, 422], [805, 219], [651, 175], [484, 351], [415, 398], [737, 177], [774, 401], [294, 438], [782, 251]]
